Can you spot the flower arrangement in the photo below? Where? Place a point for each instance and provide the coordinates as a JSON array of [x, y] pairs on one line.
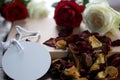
[[89, 53], [13, 10]]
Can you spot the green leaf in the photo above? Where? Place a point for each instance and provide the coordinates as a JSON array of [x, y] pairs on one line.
[[25, 1], [2, 1], [85, 2], [54, 4]]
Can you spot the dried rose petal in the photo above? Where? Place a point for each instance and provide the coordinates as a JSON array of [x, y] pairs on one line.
[[61, 44], [114, 59], [72, 71], [58, 66], [83, 78], [64, 32], [84, 47], [72, 38], [83, 72], [95, 34], [101, 75], [87, 60], [100, 59], [66, 63], [105, 49], [116, 43], [111, 71], [73, 48], [94, 67], [85, 34], [105, 40], [95, 43], [51, 42]]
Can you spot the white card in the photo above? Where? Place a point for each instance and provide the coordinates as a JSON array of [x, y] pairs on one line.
[[30, 63]]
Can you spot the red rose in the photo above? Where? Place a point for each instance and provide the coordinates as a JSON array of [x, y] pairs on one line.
[[68, 14], [14, 11]]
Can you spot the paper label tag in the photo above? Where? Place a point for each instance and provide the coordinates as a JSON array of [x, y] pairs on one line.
[[30, 63]]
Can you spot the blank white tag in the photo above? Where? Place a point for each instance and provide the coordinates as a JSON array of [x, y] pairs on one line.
[[30, 63]]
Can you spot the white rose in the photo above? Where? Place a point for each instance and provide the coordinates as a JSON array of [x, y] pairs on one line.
[[37, 9], [100, 17]]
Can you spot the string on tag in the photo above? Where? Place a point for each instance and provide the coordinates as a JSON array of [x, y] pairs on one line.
[[19, 29], [5, 45], [20, 36]]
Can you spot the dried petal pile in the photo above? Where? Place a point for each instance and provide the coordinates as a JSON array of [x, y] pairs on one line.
[[89, 57]]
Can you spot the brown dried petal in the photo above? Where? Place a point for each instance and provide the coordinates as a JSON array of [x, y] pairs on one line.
[[101, 75], [85, 34], [105, 40], [61, 44], [116, 43], [73, 48], [87, 59], [95, 43], [83, 78], [64, 32], [114, 59], [58, 66], [72, 71], [84, 46], [100, 59], [51, 42], [72, 38], [106, 49], [111, 71], [94, 67]]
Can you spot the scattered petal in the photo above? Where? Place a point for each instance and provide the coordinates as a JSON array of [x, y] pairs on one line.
[[95, 42], [61, 44], [111, 71]]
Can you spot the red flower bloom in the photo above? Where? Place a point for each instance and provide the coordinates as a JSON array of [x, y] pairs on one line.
[[14, 11], [68, 14]]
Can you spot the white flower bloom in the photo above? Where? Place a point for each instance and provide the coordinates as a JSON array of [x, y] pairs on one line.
[[37, 9], [100, 17]]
